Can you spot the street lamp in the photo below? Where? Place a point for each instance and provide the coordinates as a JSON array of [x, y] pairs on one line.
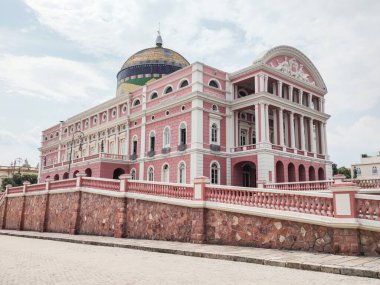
[[17, 160], [81, 135]]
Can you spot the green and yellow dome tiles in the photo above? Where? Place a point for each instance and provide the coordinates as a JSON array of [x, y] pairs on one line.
[[149, 64]]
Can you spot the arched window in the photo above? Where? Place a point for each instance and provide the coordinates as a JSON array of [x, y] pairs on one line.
[[133, 174], [152, 141], [184, 84], [112, 147], [374, 170], [56, 177], [154, 95], [134, 145], [136, 103], [214, 133], [166, 137], [168, 90], [150, 174], [242, 93], [165, 173], [243, 137], [182, 172], [213, 83], [214, 173], [66, 175], [182, 134], [88, 172]]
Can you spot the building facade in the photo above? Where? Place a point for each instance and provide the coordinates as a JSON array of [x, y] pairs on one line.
[[368, 168], [173, 121], [9, 171]]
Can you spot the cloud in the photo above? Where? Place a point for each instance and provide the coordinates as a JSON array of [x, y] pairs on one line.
[[338, 36], [49, 78], [347, 142], [20, 144], [335, 35]]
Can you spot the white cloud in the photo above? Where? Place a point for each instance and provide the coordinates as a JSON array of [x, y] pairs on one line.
[[338, 36], [346, 143], [21, 144], [49, 78]]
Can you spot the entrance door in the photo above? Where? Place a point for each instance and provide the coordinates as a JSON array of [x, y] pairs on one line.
[[247, 173]]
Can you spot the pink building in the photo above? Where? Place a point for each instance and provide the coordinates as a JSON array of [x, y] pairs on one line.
[[173, 121]]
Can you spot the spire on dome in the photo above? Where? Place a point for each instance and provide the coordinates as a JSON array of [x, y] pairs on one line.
[[158, 39]]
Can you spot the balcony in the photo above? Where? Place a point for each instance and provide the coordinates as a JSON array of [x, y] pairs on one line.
[[256, 147], [214, 147], [93, 157], [151, 153], [182, 147], [165, 150], [133, 156]]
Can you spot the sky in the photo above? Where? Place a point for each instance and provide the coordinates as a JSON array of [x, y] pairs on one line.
[[59, 58]]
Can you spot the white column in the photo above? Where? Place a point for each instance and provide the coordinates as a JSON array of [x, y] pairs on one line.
[[262, 122], [325, 139], [127, 144], [196, 157], [257, 122], [266, 83], [275, 134], [197, 77], [323, 105], [267, 123], [300, 95], [256, 78], [142, 146], [292, 136], [236, 139], [302, 133], [310, 101], [281, 123], [312, 136], [279, 84], [262, 82], [229, 129], [290, 93]]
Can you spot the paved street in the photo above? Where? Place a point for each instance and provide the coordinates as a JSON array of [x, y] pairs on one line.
[[33, 261]]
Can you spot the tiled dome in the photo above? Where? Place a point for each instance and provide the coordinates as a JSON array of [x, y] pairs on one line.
[[150, 63]]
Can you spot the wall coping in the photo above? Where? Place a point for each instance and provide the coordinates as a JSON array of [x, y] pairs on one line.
[[350, 223]]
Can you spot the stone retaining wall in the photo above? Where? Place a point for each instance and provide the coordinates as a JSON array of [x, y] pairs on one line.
[[89, 213]]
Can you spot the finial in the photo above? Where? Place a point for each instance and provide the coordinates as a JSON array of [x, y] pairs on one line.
[[158, 39]]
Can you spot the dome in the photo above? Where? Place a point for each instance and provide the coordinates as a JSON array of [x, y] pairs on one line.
[[150, 63]]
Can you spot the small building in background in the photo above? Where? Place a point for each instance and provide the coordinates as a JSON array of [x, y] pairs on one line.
[[9, 171], [368, 168]]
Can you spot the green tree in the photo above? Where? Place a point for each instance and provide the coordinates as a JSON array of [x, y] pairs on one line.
[[19, 179], [345, 171]]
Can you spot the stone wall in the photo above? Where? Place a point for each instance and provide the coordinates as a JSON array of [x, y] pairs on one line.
[[150, 220], [90, 213], [97, 214], [14, 213], [62, 212], [34, 213]]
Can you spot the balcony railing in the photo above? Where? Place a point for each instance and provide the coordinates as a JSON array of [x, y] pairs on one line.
[[105, 156]]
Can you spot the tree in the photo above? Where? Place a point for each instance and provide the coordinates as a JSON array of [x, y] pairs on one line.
[[18, 180], [345, 171], [341, 170]]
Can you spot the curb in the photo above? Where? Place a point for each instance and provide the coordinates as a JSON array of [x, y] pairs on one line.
[[334, 269]]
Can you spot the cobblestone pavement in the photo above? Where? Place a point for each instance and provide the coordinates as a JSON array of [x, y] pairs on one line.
[[34, 261]]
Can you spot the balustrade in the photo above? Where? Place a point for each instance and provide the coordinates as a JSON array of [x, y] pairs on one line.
[[321, 205], [301, 186]]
